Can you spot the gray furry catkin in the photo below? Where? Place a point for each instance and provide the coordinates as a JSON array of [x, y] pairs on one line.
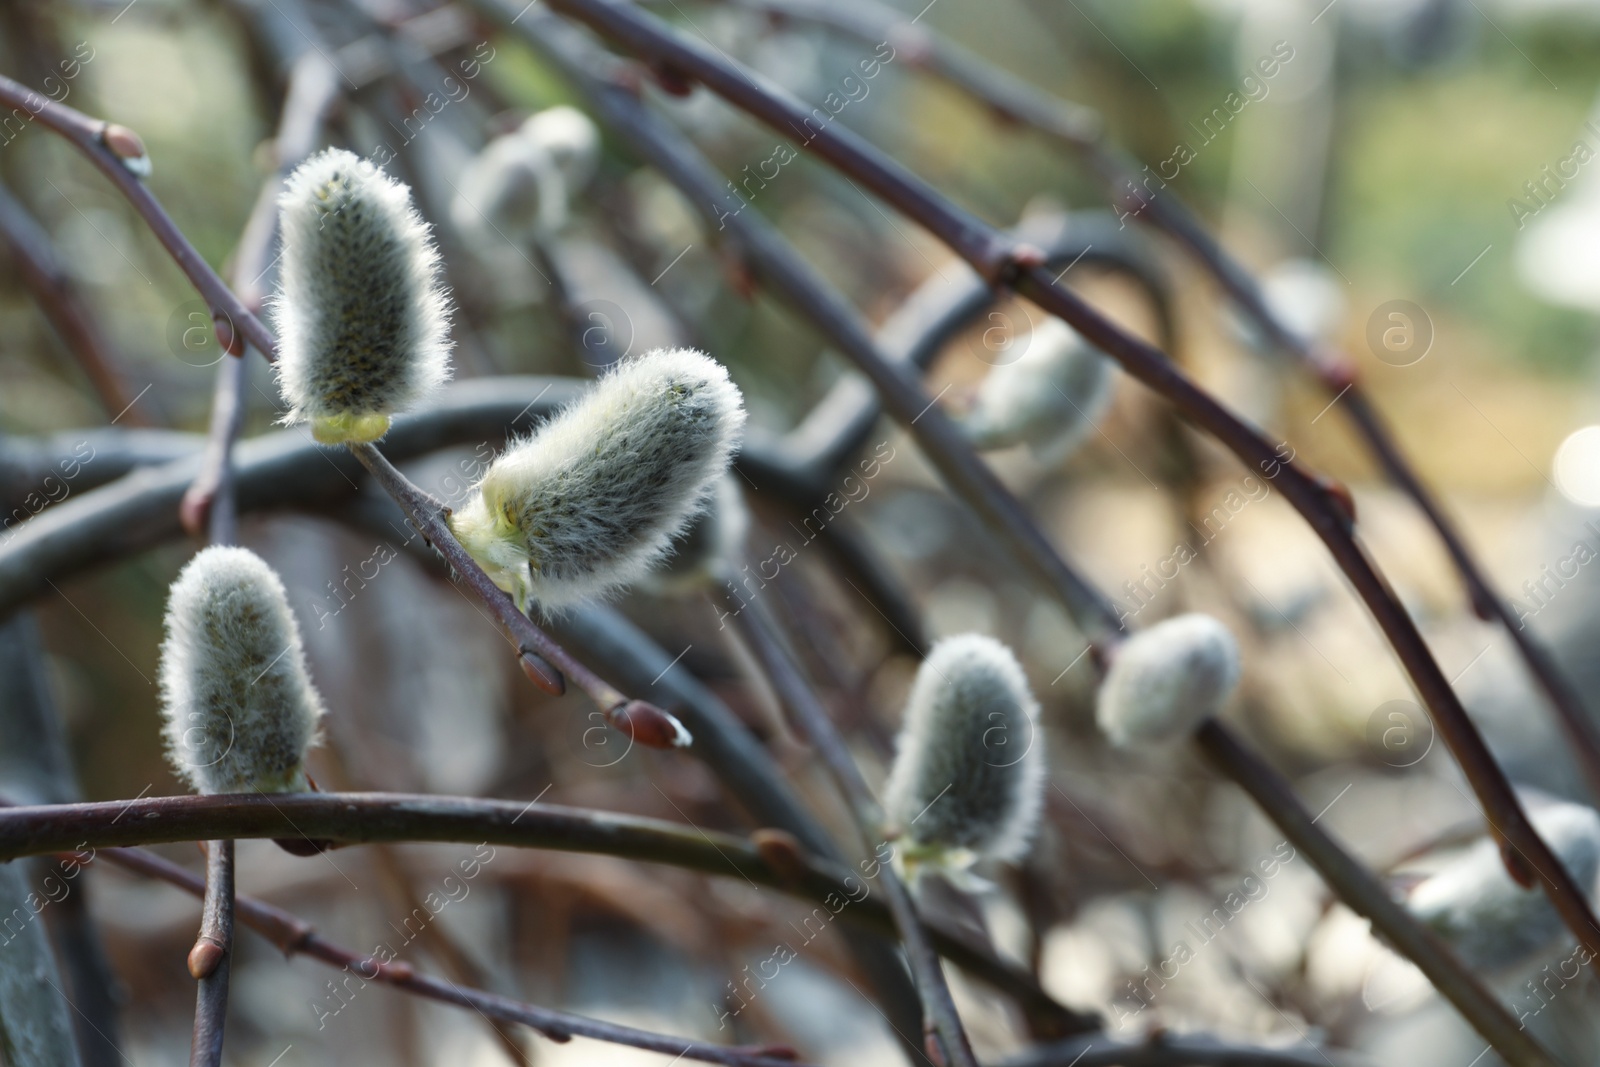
[[969, 769], [1493, 923], [1167, 680], [361, 319], [592, 500], [1049, 398], [523, 182], [240, 710]]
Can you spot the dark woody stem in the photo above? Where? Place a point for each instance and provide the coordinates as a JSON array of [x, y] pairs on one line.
[[1364, 894], [1130, 189], [757, 627], [296, 937], [1001, 260]]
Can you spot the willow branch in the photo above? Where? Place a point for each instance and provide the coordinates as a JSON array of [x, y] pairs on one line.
[[1082, 130], [366, 818], [212, 956], [110, 148], [612, 91], [941, 1019], [65, 309], [210, 502], [543, 660], [1163, 1050], [1364, 894], [1001, 259], [285, 471], [294, 936]]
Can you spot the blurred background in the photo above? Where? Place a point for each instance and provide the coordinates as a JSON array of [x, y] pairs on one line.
[[1430, 160]]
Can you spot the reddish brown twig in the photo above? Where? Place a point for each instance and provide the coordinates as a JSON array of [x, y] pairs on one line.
[[942, 1022], [212, 956], [63, 306], [543, 660], [208, 506], [112, 148], [296, 937], [1082, 130], [1000, 259], [1361, 890]]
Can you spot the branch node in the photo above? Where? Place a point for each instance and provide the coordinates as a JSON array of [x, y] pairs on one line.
[[303, 846], [781, 851]]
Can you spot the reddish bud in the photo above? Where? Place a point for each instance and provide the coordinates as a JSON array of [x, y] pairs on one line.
[[672, 80], [1517, 867], [1027, 257], [230, 339], [204, 958], [541, 674], [649, 725], [1340, 493], [303, 846], [780, 850], [194, 510], [397, 971], [126, 146], [770, 1052], [931, 1045], [912, 45], [1337, 372]]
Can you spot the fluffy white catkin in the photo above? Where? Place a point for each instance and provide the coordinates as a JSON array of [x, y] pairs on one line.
[[240, 710], [362, 321], [1049, 398], [1492, 922], [1165, 681], [522, 182], [969, 768], [706, 552], [593, 499]]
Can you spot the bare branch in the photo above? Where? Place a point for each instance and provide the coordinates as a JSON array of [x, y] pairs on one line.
[[111, 148], [65, 309], [1000, 259], [296, 937], [941, 1020], [1364, 894]]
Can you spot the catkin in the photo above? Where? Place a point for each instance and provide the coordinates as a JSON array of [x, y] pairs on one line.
[[1049, 398], [969, 767], [1167, 680], [593, 499], [240, 710], [362, 322]]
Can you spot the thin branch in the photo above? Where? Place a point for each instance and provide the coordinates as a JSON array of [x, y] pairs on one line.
[[543, 660], [296, 937], [65, 309], [1082, 130], [209, 502], [285, 471], [999, 258], [212, 956], [365, 818], [1364, 894], [111, 148], [611, 88], [1164, 1050], [941, 1021]]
